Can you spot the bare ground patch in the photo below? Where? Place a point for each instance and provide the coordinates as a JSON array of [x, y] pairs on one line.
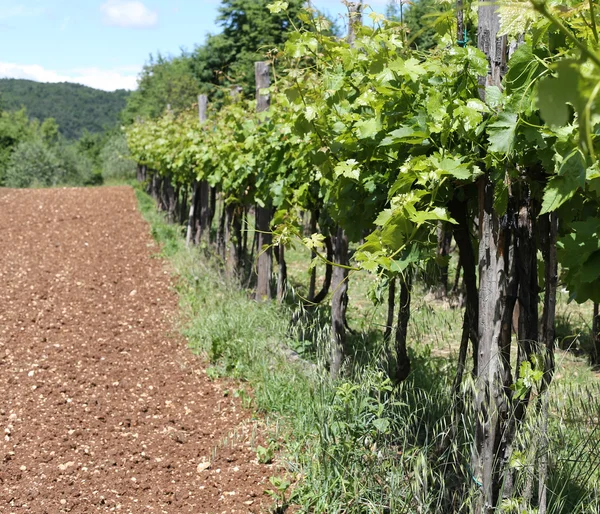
[[102, 407]]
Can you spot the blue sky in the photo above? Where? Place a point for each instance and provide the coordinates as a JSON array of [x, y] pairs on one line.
[[104, 43]]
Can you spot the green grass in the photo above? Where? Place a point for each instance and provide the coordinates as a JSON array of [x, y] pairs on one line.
[[362, 445]]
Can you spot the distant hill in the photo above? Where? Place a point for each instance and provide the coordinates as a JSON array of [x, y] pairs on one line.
[[73, 106]]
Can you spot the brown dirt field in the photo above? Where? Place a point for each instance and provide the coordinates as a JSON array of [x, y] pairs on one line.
[[103, 408]]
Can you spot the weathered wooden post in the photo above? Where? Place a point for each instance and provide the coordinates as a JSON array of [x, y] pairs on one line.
[[230, 223], [263, 214], [192, 228], [490, 401], [203, 232]]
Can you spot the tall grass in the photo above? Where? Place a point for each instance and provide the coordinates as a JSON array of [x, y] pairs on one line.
[[361, 444]]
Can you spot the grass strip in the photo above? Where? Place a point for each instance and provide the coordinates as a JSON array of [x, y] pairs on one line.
[[361, 444]]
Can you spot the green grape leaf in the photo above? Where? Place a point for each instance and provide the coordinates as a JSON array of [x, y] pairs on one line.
[[502, 133], [393, 235], [310, 113], [590, 271], [314, 242], [557, 192], [493, 96], [367, 128], [555, 93], [571, 177], [574, 168], [411, 255], [349, 168], [277, 7], [453, 166], [516, 17], [404, 134], [436, 214]]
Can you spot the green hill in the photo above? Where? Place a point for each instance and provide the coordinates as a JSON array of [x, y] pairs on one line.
[[74, 107]]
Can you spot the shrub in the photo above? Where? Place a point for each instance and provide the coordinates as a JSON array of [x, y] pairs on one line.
[[115, 159], [32, 164]]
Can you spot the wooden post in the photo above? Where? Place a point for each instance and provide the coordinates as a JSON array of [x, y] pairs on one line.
[[202, 108], [460, 24], [490, 400], [197, 187], [354, 20], [263, 214], [204, 189], [494, 47], [235, 93], [228, 224], [231, 241]]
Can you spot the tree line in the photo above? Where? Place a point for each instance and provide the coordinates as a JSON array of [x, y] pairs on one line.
[[35, 154], [77, 109]]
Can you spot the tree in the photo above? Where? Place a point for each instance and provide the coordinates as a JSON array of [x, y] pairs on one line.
[[115, 159], [33, 163], [50, 131], [420, 18], [14, 128], [164, 82], [250, 32]]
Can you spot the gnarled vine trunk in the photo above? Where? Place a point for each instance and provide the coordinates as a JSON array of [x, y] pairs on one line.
[[444, 242], [312, 228], [190, 236], [339, 301], [462, 235], [168, 198], [389, 326], [141, 172], [282, 275], [401, 361], [203, 225], [221, 231], [211, 213]]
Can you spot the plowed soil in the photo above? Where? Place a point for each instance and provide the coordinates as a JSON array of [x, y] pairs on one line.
[[102, 406]]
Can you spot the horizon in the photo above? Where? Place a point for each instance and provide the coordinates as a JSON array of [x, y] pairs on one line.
[[67, 82]]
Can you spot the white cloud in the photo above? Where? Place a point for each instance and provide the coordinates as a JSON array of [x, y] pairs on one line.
[[124, 13], [18, 10], [108, 80]]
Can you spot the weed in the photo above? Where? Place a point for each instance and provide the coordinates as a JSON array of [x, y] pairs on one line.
[[266, 455]]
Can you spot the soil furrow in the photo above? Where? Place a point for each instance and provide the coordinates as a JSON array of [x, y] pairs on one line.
[[102, 406]]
